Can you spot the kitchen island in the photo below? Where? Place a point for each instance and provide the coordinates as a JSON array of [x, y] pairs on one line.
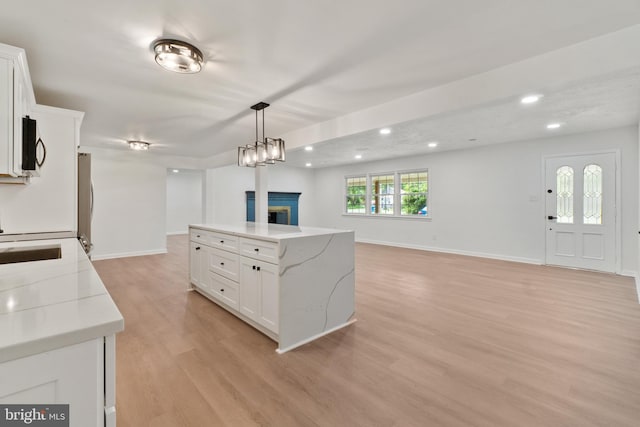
[[294, 284], [57, 332]]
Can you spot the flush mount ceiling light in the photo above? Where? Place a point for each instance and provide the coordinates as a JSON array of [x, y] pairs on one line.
[[554, 125], [530, 99], [432, 144], [358, 156], [385, 131], [308, 165], [178, 56], [138, 145], [262, 152], [308, 148]]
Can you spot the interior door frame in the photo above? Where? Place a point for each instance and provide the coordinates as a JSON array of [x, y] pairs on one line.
[[618, 199]]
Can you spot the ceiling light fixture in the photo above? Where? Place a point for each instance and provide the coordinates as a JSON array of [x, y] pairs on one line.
[[358, 156], [262, 152], [308, 165], [308, 148], [178, 56], [554, 125], [138, 145], [530, 99], [433, 144], [176, 171], [385, 131]]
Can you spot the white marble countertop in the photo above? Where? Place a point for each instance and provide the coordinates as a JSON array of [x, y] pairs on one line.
[[52, 303], [271, 232]]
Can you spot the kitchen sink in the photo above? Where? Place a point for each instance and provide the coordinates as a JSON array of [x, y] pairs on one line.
[[29, 253]]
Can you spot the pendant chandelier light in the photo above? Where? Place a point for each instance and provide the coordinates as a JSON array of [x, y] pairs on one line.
[[262, 152]]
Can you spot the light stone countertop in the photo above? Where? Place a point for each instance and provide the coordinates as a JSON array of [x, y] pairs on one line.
[[50, 304], [270, 232]]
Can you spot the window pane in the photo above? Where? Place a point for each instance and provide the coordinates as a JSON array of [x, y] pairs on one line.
[[413, 197], [356, 194], [592, 205], [382, 190], [564, 191]]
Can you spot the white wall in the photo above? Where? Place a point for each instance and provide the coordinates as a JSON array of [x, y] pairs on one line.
[[184, 202], [129, 216], [48, 203], [226, 188], [487, 201]]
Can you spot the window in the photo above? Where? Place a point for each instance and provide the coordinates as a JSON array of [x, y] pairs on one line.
[[592, 201], [564, 195], [413, 193], [382, 194], [356, 195], [395, 194]]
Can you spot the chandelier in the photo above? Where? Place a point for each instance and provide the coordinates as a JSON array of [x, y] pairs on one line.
[[262, 152]]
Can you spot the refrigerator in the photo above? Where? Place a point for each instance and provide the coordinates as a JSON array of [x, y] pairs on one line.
[[85, 202]]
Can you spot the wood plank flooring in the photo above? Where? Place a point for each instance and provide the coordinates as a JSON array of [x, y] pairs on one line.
[[441, 340]]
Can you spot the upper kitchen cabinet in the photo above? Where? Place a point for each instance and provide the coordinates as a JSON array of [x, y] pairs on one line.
[[16, 101]]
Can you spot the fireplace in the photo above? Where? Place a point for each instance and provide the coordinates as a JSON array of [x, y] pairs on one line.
[[282, 208]]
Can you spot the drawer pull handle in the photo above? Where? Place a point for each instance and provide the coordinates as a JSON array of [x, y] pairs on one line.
[[254, 267], [222, 263], [198, 235], [221, 290], [256, 249], [258, 268], [198, 248], [221, 241]]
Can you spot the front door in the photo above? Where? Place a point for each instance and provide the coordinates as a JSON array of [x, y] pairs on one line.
[[581, 211]]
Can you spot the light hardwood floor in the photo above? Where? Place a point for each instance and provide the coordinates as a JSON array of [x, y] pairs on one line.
[[441, 340]]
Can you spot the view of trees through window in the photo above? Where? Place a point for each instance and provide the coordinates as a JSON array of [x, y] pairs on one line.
[[378, 194], [414, 193], [357, 194]]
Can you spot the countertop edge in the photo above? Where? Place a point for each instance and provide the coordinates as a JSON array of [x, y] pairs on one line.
[[285, 236]]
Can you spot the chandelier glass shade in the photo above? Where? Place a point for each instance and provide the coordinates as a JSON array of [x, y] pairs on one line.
[[262, 152]]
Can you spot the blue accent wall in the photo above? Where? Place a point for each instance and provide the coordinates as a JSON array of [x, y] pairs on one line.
[[275, 199]]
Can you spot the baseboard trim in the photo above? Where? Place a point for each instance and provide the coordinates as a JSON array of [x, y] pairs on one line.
[[176, 233], [128, 254], [454, 251], [637, 276]]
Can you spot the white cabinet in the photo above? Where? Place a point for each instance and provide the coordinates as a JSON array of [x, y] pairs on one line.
[[259, 292], [196, 261], [81, 375], [16, 95]]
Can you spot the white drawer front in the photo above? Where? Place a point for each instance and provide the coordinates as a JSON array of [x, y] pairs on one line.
[[224, 263], [223, 290], [224, 241], [199, 236], [259, 249]]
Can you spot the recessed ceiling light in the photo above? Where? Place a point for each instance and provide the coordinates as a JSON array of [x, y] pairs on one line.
[[432, 144], [308, 148], [178, 56], [554, 125], [530, 99], [385, 131], [176, 171], [308, 165], [138, 145], [358, 156]]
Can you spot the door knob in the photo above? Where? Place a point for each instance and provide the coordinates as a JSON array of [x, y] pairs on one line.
[[550, 217]]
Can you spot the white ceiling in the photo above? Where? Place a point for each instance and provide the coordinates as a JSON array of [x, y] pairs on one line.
[[313, 60]]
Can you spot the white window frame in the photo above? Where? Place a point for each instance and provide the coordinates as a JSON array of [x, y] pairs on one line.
[[397, 198]]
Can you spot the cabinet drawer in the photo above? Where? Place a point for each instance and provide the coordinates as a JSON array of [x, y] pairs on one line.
[[223, 290], [224, 241], [259, 249], [199, 236], [223, 262]]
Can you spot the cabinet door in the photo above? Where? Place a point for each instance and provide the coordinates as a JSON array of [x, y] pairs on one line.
[[195, 263], [71, 375], [269, 296], [249, 298]]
